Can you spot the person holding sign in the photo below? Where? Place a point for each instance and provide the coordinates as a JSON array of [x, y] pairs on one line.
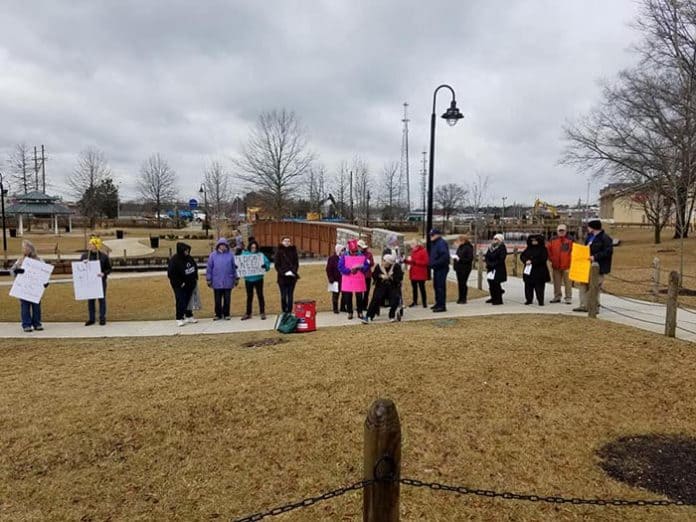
[[496, 271], [287, 264], [255, 282], [601, 252], [221, 276], [94, 253], [353, 266], [183, 276], [30, 311], [536, 273], [334, 276]]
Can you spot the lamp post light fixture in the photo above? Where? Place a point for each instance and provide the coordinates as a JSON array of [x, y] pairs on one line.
[[452, 115], [4, 228], [203, 192]]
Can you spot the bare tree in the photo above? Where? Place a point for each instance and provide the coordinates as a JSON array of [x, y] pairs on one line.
[[362, 183], [18, 163], [341, 188], [657, 204], [449, 198], [91, 171], [316, 186], [477, 193], [390, 190], [216, 181], [157, 183], [276, 158]]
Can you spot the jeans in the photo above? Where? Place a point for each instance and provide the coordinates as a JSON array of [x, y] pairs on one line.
[[287, 289], [250, 286], [30, 313], [416, 286], [462, 280], [91, 305], [440, 286], [182, 298], [222, 301]]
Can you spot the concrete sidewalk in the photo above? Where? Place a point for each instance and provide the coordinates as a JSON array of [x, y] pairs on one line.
[[644, 315]]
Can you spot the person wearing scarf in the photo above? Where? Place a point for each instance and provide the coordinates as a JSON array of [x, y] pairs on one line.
[[534, 258], [387, 277], [495, 268]]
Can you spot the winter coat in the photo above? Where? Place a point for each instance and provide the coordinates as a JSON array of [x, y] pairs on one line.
[[602, 248], [221, 271], [439, 255], [418, 264], [371, 261], [395, 277], [465, 253], [266, 266], [332, 272], [559, 249], [104, 262], [538, 255], [286, 260], [182, 270], [495, 260]]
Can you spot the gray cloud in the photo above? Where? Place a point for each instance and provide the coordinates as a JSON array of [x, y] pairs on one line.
[[188, 79]]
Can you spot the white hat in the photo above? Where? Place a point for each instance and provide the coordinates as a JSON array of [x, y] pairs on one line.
[[499, 237], [339, 249], [389, 259]]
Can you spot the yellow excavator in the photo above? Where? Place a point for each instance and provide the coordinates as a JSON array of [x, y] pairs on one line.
[[542, 210]]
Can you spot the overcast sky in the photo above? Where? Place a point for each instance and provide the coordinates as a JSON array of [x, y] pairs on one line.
[[188, 80]]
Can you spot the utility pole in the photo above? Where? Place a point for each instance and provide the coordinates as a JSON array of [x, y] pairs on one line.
[[43, 167], [351, 197], [404, 175], [36, 170]]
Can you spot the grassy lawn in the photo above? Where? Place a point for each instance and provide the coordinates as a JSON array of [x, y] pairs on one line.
[[151, 298], [199, 428]]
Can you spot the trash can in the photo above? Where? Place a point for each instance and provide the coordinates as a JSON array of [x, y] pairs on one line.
[[13, 232], [306, 313], [154, 241], [119, 234]]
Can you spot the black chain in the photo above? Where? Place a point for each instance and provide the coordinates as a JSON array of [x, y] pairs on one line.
[[462, 490], [310, 501]]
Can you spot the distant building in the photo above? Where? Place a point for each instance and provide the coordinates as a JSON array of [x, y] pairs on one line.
[[619, 203]]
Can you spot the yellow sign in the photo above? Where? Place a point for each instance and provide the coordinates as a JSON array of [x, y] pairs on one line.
[[580, 264]]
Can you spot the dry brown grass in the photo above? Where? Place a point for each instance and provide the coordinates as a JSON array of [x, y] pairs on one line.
[[194, 428], [151, 298]]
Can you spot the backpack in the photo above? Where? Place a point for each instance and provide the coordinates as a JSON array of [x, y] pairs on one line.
[[287, 323]]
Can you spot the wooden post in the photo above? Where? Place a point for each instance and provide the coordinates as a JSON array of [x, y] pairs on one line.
[[125, 254], [593, 292], [656, 278], [170, 251], [382, 459], [479, 264], [672, 303], [514, 261]]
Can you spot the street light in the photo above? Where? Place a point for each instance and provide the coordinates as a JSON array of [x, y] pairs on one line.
[[4, 230], [205, 205], [502, 218], [452, 115]]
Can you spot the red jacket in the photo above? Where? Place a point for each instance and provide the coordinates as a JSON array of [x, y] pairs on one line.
[[559, 249], [418, 263]]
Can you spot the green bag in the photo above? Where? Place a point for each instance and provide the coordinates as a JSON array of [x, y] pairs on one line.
[[287, 323]]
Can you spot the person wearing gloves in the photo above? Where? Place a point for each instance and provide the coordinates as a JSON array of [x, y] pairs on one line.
[[496, 271], [536, 273], [439, 261], [387, 276], [462, 263], [287, 264], [255, 282], [418, 272], [353, 266], [30, 313], [221, 276], [334, 275], [183, 276], [94, 253]]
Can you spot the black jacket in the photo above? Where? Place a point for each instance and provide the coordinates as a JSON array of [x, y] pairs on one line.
[[495, 260], [602, 248], [538, 255], [286, 260], [182, 270], [104, 262], [394, 282], [465, 252]]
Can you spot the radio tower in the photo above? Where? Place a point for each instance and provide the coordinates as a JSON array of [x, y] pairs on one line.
[[404, 181]]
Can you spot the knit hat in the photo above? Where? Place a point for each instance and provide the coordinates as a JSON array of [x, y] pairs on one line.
[[339, 249], [499, 237], [595, 224], [389, 259], [435, 231]]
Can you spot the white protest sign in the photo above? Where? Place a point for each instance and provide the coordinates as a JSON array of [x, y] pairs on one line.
[[29, 286], [86, 282], [250, 265]]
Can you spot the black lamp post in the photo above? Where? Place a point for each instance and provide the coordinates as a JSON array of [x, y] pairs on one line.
[[4, 230], [452, 115], [205, 206]]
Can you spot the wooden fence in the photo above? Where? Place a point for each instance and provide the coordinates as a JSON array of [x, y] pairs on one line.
[[314, 238]]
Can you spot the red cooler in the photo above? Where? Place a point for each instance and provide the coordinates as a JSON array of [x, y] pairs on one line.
[[306, 312]]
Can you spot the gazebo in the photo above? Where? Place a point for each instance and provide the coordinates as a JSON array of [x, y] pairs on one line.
[[38, 204]]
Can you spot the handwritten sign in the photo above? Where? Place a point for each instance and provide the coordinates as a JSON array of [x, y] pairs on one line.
[[29, 286], [250, 265], [580, 264], [353, 282], [86, 282]]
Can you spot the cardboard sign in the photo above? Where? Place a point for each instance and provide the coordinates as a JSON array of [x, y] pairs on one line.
[[86, 282], [250, 265], [580, 264], [353, 282], [29, 286]]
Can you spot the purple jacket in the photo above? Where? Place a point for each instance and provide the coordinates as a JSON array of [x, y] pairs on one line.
[[222, 268]]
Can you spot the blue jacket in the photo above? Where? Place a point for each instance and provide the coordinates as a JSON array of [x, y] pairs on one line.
[[266, 265], [602, 248], [439, 255], [222, 269]]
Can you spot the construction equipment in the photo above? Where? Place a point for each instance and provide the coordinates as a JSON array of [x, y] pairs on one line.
[[542, 210]]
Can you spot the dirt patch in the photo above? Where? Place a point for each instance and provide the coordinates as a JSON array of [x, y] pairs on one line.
[[660, 463], [260, 343]]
